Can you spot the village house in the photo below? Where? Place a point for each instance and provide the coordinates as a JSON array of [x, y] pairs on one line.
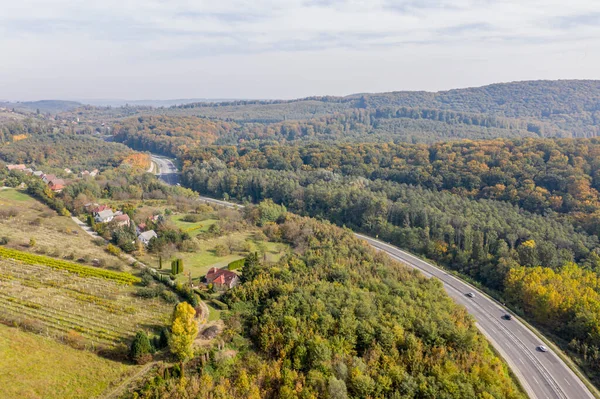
[[48, 178], [57, 185], [122, 220], [221, 278], [146, 236], [105, 216], [38, 173]]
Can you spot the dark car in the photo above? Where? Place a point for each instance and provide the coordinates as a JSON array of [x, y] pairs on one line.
[[507, 316]]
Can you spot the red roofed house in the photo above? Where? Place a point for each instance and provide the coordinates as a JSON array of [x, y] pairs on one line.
[[221, 278], [122, 220], [48, 178], [56, 185]]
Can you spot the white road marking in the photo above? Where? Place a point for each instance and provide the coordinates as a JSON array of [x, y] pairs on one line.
[[567, 382]]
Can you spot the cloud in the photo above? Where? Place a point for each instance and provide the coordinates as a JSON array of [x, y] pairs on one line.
[[118, 39]]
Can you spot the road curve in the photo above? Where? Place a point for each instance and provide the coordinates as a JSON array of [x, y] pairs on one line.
[[543, 375]]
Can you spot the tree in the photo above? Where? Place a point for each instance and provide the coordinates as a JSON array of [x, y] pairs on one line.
[[184, 330], [251, 267], [141, 348]]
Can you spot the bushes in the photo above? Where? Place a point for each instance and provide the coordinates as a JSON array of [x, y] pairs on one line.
[[219, 305], [236, 264], [192, 218], [169, 296]]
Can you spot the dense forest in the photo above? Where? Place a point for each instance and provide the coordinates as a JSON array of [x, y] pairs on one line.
[[59, 150], [337, 320], [484, 209]]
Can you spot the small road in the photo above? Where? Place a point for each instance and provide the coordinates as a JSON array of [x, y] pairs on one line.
[[543, 375]]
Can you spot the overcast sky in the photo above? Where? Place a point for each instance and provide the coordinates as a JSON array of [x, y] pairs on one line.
[[149, 49]]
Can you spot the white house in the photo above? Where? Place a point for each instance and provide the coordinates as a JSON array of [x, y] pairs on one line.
[[105, 216], [146, 236]]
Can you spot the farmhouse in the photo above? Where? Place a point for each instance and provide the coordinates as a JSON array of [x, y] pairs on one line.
[[221, 278]]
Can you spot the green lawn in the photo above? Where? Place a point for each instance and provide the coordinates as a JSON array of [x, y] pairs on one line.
[[193, 228], [32, 366], [10, 194], [214, 313]]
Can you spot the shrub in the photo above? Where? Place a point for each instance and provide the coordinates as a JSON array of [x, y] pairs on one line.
[[74, 340], [4, 240], [32, 242], [221, 250], [192, 218], [149, 292], [177, 266], [169, 296], [236, 264], [113, 250], [141, 349], [219, 305]]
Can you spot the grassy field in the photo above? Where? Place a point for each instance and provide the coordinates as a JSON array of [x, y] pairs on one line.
[[32, 366], [54, 235], [194, 228], [199, 262]]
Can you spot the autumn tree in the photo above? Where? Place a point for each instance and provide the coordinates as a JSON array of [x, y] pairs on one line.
[[184, 329]]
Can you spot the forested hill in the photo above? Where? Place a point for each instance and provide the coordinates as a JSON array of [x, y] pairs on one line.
[[564, 108]]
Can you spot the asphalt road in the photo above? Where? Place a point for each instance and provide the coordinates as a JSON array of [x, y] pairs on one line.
[[543, 374]]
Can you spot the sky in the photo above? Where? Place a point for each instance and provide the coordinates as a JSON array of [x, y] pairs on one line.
[[165, 49]]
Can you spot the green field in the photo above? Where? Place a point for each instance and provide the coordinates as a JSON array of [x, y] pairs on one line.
[[32, 366], [193, 228], [14, 195]]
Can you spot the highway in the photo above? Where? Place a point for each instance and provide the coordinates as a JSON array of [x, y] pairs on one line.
[[543, 375]]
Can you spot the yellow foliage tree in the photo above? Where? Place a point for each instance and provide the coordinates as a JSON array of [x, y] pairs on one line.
[[184, 330]]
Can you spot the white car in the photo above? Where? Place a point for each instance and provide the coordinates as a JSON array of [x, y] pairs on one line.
[[471, 295], [542, 348]]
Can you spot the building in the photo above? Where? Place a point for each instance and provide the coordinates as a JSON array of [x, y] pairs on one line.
[[221, 278], [48, 178], [57, 185], [38, 173], [122, 220], [146, 236], [104, 216]]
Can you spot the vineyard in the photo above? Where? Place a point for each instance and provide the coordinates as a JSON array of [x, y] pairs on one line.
[[83, 271], [96, 312]]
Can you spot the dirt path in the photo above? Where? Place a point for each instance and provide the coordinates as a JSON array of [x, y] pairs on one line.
[[120, 389]]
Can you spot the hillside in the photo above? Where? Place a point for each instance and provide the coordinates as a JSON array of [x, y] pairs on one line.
[[44, 106]]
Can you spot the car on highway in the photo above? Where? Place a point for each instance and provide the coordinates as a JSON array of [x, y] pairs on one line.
[[471, 295], [507, 316], [542, 348]]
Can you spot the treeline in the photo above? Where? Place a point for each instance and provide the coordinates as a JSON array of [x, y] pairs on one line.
[[337, 320], [537, 175], [175, 136]]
